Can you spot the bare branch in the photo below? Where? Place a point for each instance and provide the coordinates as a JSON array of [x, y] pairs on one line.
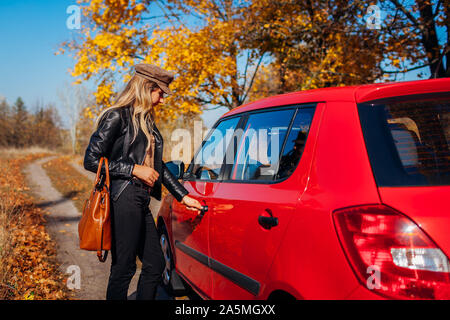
[[216, 107], [406, 70], [253, 77], [408, 14], [245, 70], [161, 6], [437, 9]]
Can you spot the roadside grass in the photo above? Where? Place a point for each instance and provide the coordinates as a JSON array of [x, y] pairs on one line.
[[28, 266], [17, 152], [68, 181]]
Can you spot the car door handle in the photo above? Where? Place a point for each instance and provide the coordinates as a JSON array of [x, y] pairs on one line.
[[267, 222], [203, 211]]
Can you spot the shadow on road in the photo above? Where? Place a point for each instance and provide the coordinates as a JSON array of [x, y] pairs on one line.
[[162, 294]]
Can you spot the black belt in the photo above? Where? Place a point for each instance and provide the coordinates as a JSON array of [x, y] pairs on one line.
[[139, 183]]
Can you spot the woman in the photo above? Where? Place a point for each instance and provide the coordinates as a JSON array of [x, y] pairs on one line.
[[127, 135]]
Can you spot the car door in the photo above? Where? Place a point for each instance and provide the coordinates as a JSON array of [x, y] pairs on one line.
[[190, 230], [257, 199]]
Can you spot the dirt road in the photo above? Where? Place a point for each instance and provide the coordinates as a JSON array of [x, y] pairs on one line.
[[62, 224]]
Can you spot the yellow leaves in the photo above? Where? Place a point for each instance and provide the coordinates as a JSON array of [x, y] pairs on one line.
[[197, 58], [126, 78], [28, 296], [203, 58], [88, 112], [104, 93], [396, 62], [111, 40], [140, 7], [103, 39], [111, 14]]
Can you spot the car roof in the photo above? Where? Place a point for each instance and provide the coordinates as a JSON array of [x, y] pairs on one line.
[[357, 93]]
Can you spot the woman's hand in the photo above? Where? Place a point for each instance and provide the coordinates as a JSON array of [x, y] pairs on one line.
[[146, 174], [191, 203]]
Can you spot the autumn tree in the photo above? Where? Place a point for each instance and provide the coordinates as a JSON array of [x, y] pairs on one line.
[[21, 128], [45, 127], [199, 41], [226, 52], [20, 124], [6, 135], [315, 43], [38, 125], [330, 43], [417, 36], [215, 68]]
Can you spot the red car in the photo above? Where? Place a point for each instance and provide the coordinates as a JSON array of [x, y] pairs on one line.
[[336, 193]]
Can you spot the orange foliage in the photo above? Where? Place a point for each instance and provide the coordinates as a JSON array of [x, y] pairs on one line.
[[28, 268]]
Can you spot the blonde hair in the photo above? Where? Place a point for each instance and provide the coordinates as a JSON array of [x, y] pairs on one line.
[[137, 93]]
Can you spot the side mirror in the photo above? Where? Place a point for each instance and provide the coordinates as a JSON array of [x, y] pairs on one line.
[[176, 167], [188, 176]]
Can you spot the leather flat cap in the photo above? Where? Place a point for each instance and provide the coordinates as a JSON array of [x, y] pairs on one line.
[[154, 73]]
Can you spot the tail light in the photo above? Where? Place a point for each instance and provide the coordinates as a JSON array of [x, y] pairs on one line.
[[391, 255]]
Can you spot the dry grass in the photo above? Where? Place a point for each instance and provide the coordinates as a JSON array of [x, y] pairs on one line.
[[18, 153], [78, 160], [68, 181], [28, 267]]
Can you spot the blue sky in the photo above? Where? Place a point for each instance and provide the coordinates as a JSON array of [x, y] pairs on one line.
[[30, 33]]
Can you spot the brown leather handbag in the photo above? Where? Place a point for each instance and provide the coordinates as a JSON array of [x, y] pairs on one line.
[[94, 228]]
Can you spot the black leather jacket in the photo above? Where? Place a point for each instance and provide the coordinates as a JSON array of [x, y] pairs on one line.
[[112, 140]]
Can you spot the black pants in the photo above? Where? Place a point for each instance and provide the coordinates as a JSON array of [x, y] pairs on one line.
[[134, 234]]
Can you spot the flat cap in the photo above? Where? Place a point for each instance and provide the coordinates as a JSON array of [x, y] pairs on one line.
[[154, 73]]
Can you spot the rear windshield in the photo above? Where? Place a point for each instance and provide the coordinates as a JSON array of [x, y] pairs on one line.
[[408, 140]]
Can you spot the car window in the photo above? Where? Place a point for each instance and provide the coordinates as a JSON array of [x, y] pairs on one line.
[[208, 161], [295, 142], [259, 147], [408, 141]]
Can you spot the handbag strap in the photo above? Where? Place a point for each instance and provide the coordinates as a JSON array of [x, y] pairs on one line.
[[102, 257], [97, 178]]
